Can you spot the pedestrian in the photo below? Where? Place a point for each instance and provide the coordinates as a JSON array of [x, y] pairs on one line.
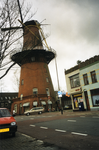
[[61, 110], [13, 112]]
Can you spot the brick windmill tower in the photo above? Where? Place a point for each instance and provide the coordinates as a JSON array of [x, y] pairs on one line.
[[36, 88]]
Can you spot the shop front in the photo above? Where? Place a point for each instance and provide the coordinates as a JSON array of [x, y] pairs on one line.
[[26, 106], [43, 103], [77, 101], [49, 105]]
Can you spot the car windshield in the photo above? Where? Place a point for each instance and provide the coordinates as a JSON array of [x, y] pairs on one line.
[[4, 113]]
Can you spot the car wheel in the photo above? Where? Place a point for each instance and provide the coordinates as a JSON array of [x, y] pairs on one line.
[[13, 134], [27, 114], [40, 112]]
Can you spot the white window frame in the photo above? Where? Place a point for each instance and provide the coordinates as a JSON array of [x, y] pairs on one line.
[[48, 91]]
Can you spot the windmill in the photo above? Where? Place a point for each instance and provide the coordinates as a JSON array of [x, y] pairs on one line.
[[36, 88]]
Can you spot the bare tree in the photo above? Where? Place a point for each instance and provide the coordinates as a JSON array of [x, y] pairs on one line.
[[11, 30], [16, 80]]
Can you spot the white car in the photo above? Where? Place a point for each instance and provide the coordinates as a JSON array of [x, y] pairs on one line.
[[38, 110]]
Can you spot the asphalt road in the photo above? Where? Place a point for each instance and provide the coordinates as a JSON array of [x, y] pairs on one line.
[[66, 131]]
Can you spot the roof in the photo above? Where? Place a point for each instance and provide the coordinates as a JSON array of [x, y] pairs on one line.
[[83, 64]]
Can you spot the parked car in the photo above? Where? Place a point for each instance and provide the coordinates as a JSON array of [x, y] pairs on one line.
[[38, 110], [7, 122], [67, 107]]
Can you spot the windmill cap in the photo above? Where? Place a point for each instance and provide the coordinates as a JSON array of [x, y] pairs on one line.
[[32, 22]]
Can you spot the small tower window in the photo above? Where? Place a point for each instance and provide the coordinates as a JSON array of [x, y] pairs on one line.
[[47, 79], [35, 91], [22, 82]]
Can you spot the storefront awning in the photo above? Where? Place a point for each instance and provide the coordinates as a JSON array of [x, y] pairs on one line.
[[26, 104], [34, 103], [49, 102], [43, 102]]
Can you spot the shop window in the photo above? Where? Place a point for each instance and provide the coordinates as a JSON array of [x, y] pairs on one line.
[[35, 91], [2, 105], [47, 80], [95, 97], [85, 77], [6, 105], [33, 58], [74, 81], [15, 108], [93, 77], [47, 91], [22, 82]]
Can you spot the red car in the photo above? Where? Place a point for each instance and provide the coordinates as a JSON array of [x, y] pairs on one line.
[[7, 122]]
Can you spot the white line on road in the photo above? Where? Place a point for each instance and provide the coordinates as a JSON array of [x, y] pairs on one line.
[[82, 116], [44, 127], [60, 130], [32, 118], [32, 125], [95, 117], [26, 135], [78, 133], [71, 120]]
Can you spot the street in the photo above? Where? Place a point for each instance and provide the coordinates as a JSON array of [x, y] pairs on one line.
[[68, 131]]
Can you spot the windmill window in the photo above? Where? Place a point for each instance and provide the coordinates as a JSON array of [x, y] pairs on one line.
[[35, 91], [47, 91], [22, 82], [47, 80], [21, 96]]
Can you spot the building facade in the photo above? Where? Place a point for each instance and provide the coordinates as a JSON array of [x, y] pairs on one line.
[[6, 99], [89, 78], [74, 86], [83, 84]]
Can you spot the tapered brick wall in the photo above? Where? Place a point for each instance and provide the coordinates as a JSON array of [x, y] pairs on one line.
[[34, 76]]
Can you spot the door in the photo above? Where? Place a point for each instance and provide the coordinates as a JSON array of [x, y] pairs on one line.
[[87, 100]]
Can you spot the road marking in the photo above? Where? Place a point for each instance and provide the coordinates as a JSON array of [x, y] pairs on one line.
[[60, 130], [49, 116], [95, 117], [32, 118], [21, 118], [32, 125], [82, 116], [40, 141], [26, 135], [44, 127], [71, 120], [78, 133]]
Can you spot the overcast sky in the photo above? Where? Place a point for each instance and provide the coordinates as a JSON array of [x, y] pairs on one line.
[[74, 32]]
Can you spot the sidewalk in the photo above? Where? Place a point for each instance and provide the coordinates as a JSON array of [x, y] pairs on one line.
[[24, 142], [70, 112]]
